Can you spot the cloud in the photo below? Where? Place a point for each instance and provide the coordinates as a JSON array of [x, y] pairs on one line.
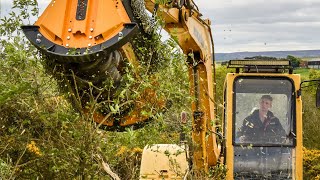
[[258, 11], [278, 36], [263, 24], [250, 25]]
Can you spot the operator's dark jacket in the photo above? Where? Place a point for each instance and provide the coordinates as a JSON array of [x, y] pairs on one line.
[[255, 130]]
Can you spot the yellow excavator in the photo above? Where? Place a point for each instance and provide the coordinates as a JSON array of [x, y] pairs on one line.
[[93, 41]]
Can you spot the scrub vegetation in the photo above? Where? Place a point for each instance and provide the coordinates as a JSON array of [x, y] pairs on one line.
[[43, 137], [311, 125]]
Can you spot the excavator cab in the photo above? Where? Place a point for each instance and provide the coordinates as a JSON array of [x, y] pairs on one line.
[[263, 121]]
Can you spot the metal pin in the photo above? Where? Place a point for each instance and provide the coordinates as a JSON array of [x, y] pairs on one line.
[[89, 45], [39, 35], [120, 35], [90, 37], [68, 37], [69, 30], [91, 29], [38, 41], [67, 45]]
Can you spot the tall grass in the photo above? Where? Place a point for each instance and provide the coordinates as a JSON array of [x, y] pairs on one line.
[[304, 72]]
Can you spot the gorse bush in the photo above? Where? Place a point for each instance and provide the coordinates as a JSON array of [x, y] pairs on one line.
[[311, 114], [311, 164], [311, 127]]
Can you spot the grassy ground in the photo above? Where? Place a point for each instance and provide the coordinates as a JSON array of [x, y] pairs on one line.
[[304, 72]]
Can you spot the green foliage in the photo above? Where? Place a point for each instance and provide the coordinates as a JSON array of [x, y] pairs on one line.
[[314, 74], [221, 73], [23, 10], [295, 61], [311, 114], [304, 72], [311, 164], [218, 172], [43, 137], [261, 58]]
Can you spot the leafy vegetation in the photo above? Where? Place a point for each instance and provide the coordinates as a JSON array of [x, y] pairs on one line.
[[261, 58], [311, 164], [311, 114], [304, 72], [42, 136], [295, 61], [311, 126]]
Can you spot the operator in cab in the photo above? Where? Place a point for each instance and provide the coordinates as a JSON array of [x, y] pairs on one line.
[[261, 125]]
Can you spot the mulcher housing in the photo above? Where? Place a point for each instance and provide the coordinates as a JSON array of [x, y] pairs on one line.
[[92, 40]]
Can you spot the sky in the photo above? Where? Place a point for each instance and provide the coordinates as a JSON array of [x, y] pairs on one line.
[[263, 25], [254, 25]]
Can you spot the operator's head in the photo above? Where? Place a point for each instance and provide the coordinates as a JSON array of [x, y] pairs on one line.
[[265, 103]]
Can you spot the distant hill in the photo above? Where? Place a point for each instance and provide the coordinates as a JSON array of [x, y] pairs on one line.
[[277, 54]]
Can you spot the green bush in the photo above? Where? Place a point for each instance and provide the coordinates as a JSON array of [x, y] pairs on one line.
[[311, 114], [311, 164], [43, 137]]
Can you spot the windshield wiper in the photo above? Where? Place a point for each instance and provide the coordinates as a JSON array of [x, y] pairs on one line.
[[291, 135]]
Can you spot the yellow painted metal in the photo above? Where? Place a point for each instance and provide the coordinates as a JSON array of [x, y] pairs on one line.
[[163, 161], [199, 127], [228, 123], [193, 35], [298, 153], [299, 126], [58, 22], [192, 32]]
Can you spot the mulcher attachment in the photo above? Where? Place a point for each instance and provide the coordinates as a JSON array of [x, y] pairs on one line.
[[77, 54], [86, 45]]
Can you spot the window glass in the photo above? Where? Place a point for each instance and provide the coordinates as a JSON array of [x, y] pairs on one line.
[[263, 128], [262, 111], [263, 163]]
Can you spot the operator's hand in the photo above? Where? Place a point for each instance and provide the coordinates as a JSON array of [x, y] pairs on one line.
[[242, 139]]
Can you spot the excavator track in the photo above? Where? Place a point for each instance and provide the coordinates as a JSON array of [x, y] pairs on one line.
[[94, 73]]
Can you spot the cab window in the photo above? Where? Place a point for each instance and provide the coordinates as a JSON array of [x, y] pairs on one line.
[[263, 111]]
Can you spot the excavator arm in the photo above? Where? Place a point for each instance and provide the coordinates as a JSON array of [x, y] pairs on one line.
[[87, 41], [193, 34]]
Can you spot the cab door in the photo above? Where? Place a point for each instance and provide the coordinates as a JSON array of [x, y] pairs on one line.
[[256, 147]]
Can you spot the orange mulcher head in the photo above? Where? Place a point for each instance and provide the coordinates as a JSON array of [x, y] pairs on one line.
[[85, 44], [78, 30]]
